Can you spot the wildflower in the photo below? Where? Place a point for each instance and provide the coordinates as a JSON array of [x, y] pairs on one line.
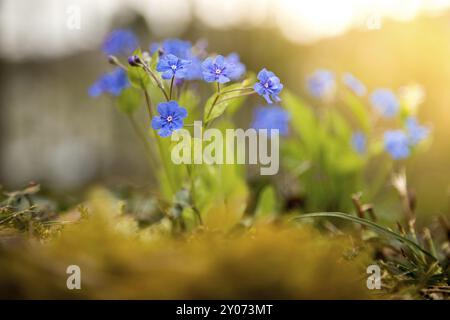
[[120, 41], [321, 83], [177, 47], [194, 70], [170, 118], [396, 143], [269, 86], [172, 66], [415, 131], [271, 118], [113, 83], [385, 102], [238, 68], [183, 50], [217, 69], [359, 142], [354, 84]]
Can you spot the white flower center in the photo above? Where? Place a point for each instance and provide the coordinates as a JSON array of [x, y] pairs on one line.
[[173, 67], [266, 85], [218, 71], [169, 119]]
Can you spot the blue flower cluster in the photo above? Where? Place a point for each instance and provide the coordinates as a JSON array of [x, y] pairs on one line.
[[183, 50], [416, 132], [179, 60], [272, 118], [385, 102], [398, 143], [120, 42], [321, 83], [113, 83], [354, 84], [359, 142]]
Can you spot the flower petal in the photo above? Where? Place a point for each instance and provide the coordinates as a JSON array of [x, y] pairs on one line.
[[165, 132], [158, 122]]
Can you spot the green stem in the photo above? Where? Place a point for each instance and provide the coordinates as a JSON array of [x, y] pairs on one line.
[[192, 186], [171, 87], [164, 162], [141, 135], [238, 96], [215, 102], [237, 90], [158, 83], [158, 142], [379, 181]]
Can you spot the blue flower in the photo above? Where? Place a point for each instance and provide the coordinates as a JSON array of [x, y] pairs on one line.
[[170, 118], [396, 143], [415, 131], [354, 84], [172, 66], [217, 70], [271, 118], [120, 41], [269, 86], [113, 83], [183, 50], [359, 142], [321, 83], [238, 68], [385, 102], [177, 47], [194, 70]]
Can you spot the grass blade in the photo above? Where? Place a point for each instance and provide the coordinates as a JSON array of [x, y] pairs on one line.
[[370, 224]]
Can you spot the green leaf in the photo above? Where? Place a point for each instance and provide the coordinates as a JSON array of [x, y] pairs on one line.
[[237, 102], [129, 100], [370, 224], [154, 60], [218, 103], [189, 99], [359, 110], [304, 121], [339, 126], [138, 77], [214, 108], [267, 203]]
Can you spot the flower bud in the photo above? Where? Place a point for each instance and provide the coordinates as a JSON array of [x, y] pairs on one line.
[[113, 60], [134, 61]]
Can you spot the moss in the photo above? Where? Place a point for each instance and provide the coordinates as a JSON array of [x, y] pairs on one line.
[[120, 261]]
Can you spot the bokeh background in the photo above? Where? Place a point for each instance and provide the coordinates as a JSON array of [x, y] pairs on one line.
[[51, 131]]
